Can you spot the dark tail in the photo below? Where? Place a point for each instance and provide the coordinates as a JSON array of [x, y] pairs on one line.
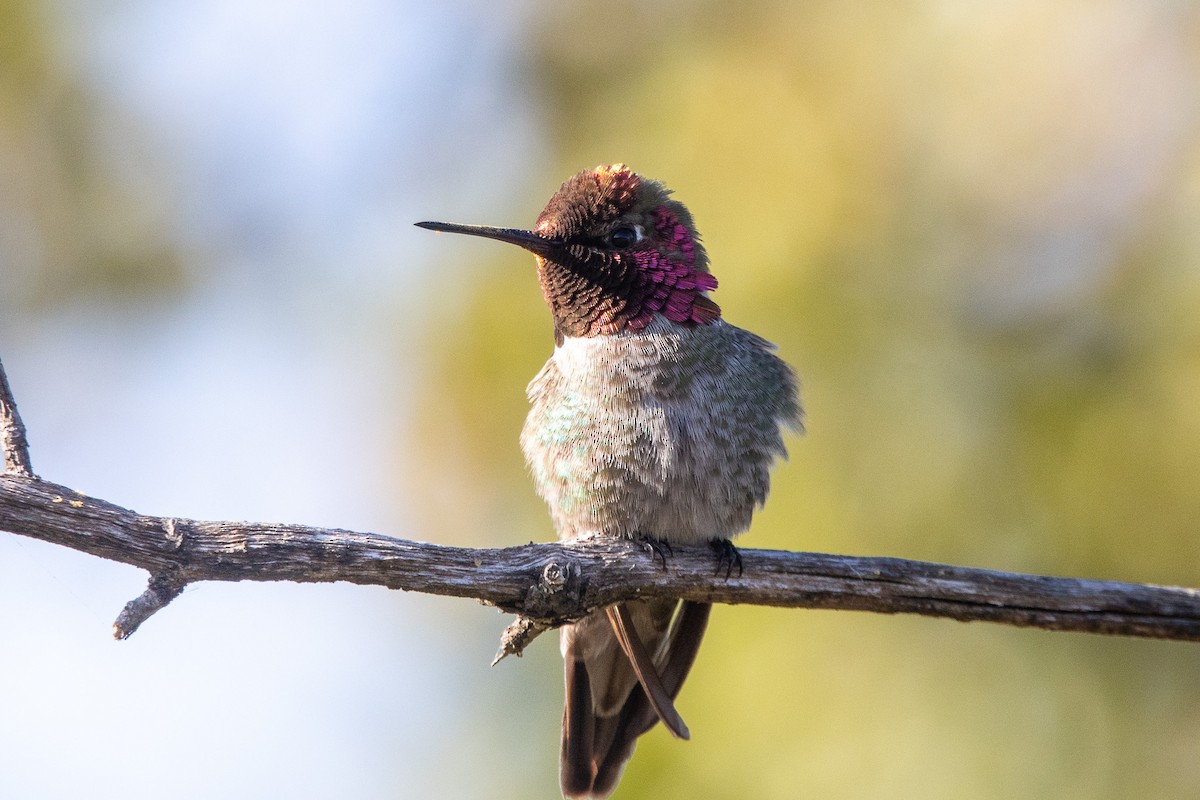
[[595, 747]]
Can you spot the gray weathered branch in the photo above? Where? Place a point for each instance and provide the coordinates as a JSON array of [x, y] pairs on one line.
[[553, 583], [549, 584]]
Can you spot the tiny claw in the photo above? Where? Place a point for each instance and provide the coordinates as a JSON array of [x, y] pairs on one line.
[[657, 548], [727, 556]]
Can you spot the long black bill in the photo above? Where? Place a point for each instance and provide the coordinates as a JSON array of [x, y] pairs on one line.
[[547, 248]]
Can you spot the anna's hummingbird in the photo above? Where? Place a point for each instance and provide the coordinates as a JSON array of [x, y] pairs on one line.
[[654, 420]]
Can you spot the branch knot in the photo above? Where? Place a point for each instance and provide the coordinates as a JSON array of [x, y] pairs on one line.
[[557, 596]]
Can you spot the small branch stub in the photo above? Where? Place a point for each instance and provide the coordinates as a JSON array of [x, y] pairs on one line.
[[12, 433], [517, 636], [162, 589]]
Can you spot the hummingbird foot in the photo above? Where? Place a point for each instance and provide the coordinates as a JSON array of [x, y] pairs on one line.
[[657, 548], [727, 557]]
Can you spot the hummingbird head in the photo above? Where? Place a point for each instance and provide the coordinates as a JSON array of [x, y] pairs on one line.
[[613, 252]]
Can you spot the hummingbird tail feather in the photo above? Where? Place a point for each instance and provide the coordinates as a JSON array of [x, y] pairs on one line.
[[596, 748], [646, 671], [576, 768]]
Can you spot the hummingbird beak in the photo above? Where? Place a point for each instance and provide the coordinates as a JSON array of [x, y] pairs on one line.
[[546, 248]]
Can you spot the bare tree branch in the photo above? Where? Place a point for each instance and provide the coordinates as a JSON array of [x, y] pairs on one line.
[[549, 584], [553, 583]]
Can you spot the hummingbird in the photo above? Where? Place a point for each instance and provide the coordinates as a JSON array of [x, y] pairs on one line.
[[654, 420]]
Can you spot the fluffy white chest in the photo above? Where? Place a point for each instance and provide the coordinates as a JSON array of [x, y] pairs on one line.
[[655, 432]]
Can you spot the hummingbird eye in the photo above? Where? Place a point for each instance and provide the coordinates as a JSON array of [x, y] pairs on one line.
[[624, 237]]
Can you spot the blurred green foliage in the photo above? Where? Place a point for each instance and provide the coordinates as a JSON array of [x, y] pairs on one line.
[[971, 228], [72, 224]]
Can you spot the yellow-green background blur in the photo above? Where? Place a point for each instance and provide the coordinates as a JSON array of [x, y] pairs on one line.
[[973, 228]]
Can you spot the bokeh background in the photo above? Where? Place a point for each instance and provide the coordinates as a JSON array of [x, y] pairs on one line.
[[973, 228]]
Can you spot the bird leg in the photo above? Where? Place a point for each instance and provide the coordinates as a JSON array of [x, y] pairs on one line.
[[727, 557], [657, 548]]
